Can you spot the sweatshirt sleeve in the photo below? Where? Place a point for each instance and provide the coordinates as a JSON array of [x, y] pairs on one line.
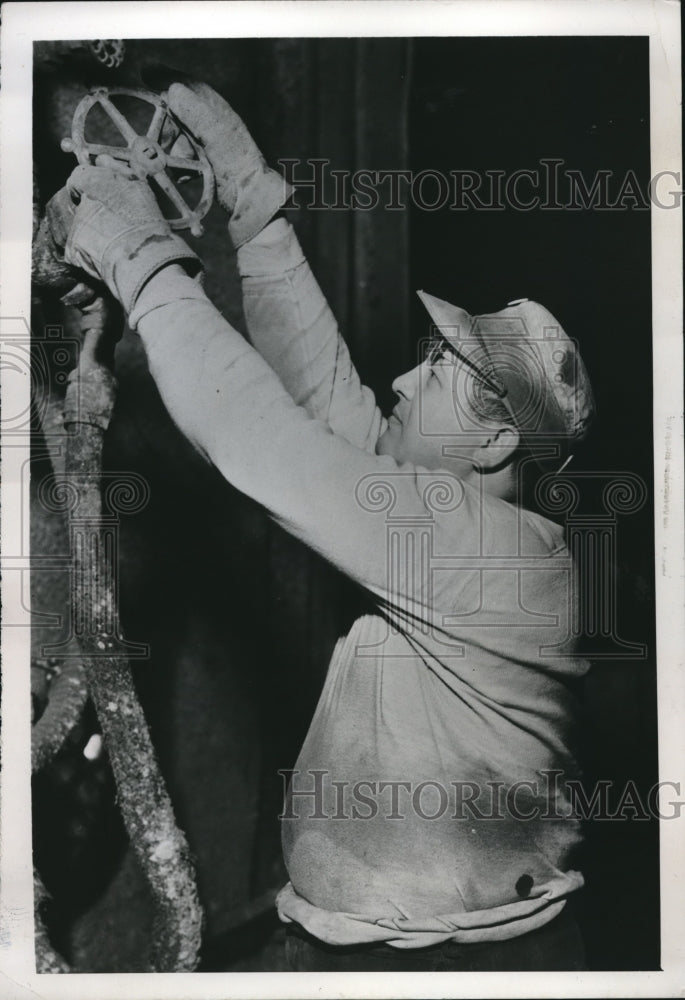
[[232, 406], [292, 326]]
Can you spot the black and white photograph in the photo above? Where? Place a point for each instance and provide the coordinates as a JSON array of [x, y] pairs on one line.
[[342, 471]]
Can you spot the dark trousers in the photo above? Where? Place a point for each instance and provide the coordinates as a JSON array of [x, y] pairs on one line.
[[556, 947]]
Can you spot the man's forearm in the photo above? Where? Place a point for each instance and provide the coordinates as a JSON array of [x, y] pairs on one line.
[[232, 406], [292, 326]]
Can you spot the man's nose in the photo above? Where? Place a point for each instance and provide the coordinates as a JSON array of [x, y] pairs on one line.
[[405, 385]]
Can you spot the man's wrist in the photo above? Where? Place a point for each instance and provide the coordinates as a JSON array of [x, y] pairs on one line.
[[271, 251], [170, 284]]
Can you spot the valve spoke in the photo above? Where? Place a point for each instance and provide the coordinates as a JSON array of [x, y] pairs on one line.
[[147, 151], [155, 128], [126, 130], [169, 189], [184, 163]]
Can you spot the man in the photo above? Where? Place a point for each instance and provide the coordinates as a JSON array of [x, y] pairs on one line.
[[427, 825]]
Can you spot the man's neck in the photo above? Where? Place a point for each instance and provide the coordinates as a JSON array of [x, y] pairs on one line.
[[502, 483]]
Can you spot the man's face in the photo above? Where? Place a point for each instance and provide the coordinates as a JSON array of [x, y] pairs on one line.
[[433, 414]]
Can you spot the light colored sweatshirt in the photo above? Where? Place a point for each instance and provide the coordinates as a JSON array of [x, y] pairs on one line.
[[428, 801]]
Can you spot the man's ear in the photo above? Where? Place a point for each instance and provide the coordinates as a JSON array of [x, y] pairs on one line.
[[498, 448]]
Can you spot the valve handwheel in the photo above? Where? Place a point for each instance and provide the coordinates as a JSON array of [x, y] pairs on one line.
[[145, 154]]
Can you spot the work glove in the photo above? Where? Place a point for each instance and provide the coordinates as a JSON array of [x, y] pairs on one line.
[[49, 270], [112, 228], [249, 190]]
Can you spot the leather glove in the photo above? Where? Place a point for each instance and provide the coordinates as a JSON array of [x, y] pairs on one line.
[[112, 228], [249, 190]]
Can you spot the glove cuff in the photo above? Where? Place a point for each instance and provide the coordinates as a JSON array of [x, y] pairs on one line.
[[259, 197], [165, 289], [127, 272]]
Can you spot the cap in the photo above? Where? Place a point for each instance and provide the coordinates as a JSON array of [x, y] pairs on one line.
[[525, 350]]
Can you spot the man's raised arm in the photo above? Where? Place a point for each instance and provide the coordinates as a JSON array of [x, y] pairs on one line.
[[288, 318], [223, 395], [293, 328]]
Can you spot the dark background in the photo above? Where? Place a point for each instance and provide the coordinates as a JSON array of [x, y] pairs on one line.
[[241, 619]]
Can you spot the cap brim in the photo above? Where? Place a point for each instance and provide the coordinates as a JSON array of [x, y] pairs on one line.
[[455, 325]]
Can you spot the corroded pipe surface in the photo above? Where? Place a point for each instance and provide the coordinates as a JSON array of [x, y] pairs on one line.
[[160, 846], [103, 671], [68, 694]]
